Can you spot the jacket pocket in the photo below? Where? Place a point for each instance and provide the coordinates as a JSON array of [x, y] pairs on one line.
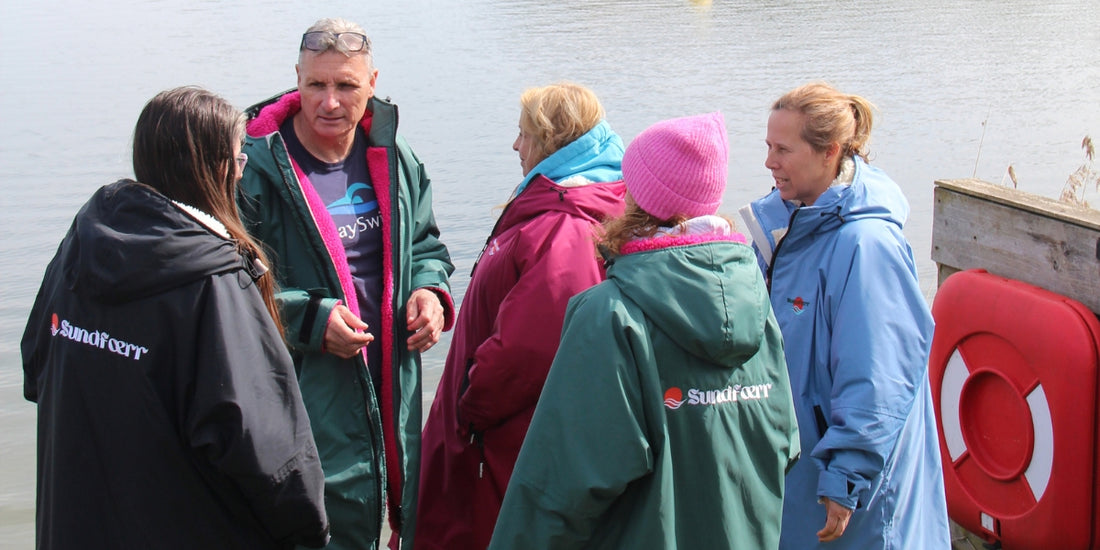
[[819, 419], [464, 428]]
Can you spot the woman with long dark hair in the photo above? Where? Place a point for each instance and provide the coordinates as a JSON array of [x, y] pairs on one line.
[[169, 414]]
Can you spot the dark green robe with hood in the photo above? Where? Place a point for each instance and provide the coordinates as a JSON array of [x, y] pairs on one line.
[[667, 419], [369, 443]]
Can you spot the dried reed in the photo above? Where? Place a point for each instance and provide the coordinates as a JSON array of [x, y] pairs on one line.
[[1082, 178]]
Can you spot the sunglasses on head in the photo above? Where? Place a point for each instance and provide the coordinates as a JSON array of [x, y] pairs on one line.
[[319, 41]]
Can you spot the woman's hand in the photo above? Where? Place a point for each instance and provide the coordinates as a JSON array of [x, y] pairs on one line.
[[836, 521]]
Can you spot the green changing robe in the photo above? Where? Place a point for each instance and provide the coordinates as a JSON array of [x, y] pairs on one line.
[[369, 444], [667, 419]]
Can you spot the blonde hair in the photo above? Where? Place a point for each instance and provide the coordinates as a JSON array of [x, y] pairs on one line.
[[830, 116], [558, 114]]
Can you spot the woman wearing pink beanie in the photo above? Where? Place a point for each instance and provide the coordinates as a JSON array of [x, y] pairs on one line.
[[667, 419]]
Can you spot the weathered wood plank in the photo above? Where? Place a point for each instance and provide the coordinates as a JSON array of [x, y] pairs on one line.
[[1018, 235], [1022, 200]]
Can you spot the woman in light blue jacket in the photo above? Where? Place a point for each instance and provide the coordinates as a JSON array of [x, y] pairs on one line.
[[857, 331]]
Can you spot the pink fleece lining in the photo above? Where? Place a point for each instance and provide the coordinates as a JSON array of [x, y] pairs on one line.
[[645, 245], [268, 122], [271, 116], [330, 236], [379, 166]]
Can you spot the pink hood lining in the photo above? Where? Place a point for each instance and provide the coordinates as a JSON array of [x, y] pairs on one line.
[[271, 116], [646, 245]]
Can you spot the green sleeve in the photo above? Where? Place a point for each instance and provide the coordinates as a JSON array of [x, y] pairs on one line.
[[305, 317], [430, 261], [304, 312]]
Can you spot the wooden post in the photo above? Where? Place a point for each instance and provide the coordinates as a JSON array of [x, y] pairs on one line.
[[1018, 235]]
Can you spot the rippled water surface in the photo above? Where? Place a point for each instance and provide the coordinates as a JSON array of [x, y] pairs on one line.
[[963, 89]]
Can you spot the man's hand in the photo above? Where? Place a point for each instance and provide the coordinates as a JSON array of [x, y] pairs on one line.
[[425, 318], [342, 335], [836, 521]]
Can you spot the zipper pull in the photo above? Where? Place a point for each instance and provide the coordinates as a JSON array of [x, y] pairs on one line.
[[475, 437]]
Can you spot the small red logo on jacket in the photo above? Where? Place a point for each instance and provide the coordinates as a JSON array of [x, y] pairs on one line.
[[798, 304], [674, 398]]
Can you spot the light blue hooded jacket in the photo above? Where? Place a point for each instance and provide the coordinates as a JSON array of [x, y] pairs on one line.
[[596, 156], [857, 332]]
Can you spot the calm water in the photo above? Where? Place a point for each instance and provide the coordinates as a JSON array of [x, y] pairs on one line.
[[1015, 80]]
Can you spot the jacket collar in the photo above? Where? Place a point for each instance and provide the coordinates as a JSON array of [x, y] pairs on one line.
[[269, 116], [595, 156]]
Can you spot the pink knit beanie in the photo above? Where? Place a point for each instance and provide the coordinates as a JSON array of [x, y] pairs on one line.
[[678, 166]]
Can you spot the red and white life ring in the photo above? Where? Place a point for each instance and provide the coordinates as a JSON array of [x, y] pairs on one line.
[[1014, 374]]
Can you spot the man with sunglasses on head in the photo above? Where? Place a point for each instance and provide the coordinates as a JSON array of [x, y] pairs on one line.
[[345, 208]]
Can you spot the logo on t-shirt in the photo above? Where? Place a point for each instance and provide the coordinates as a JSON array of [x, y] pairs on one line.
[[352, 204], [356, 212]]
